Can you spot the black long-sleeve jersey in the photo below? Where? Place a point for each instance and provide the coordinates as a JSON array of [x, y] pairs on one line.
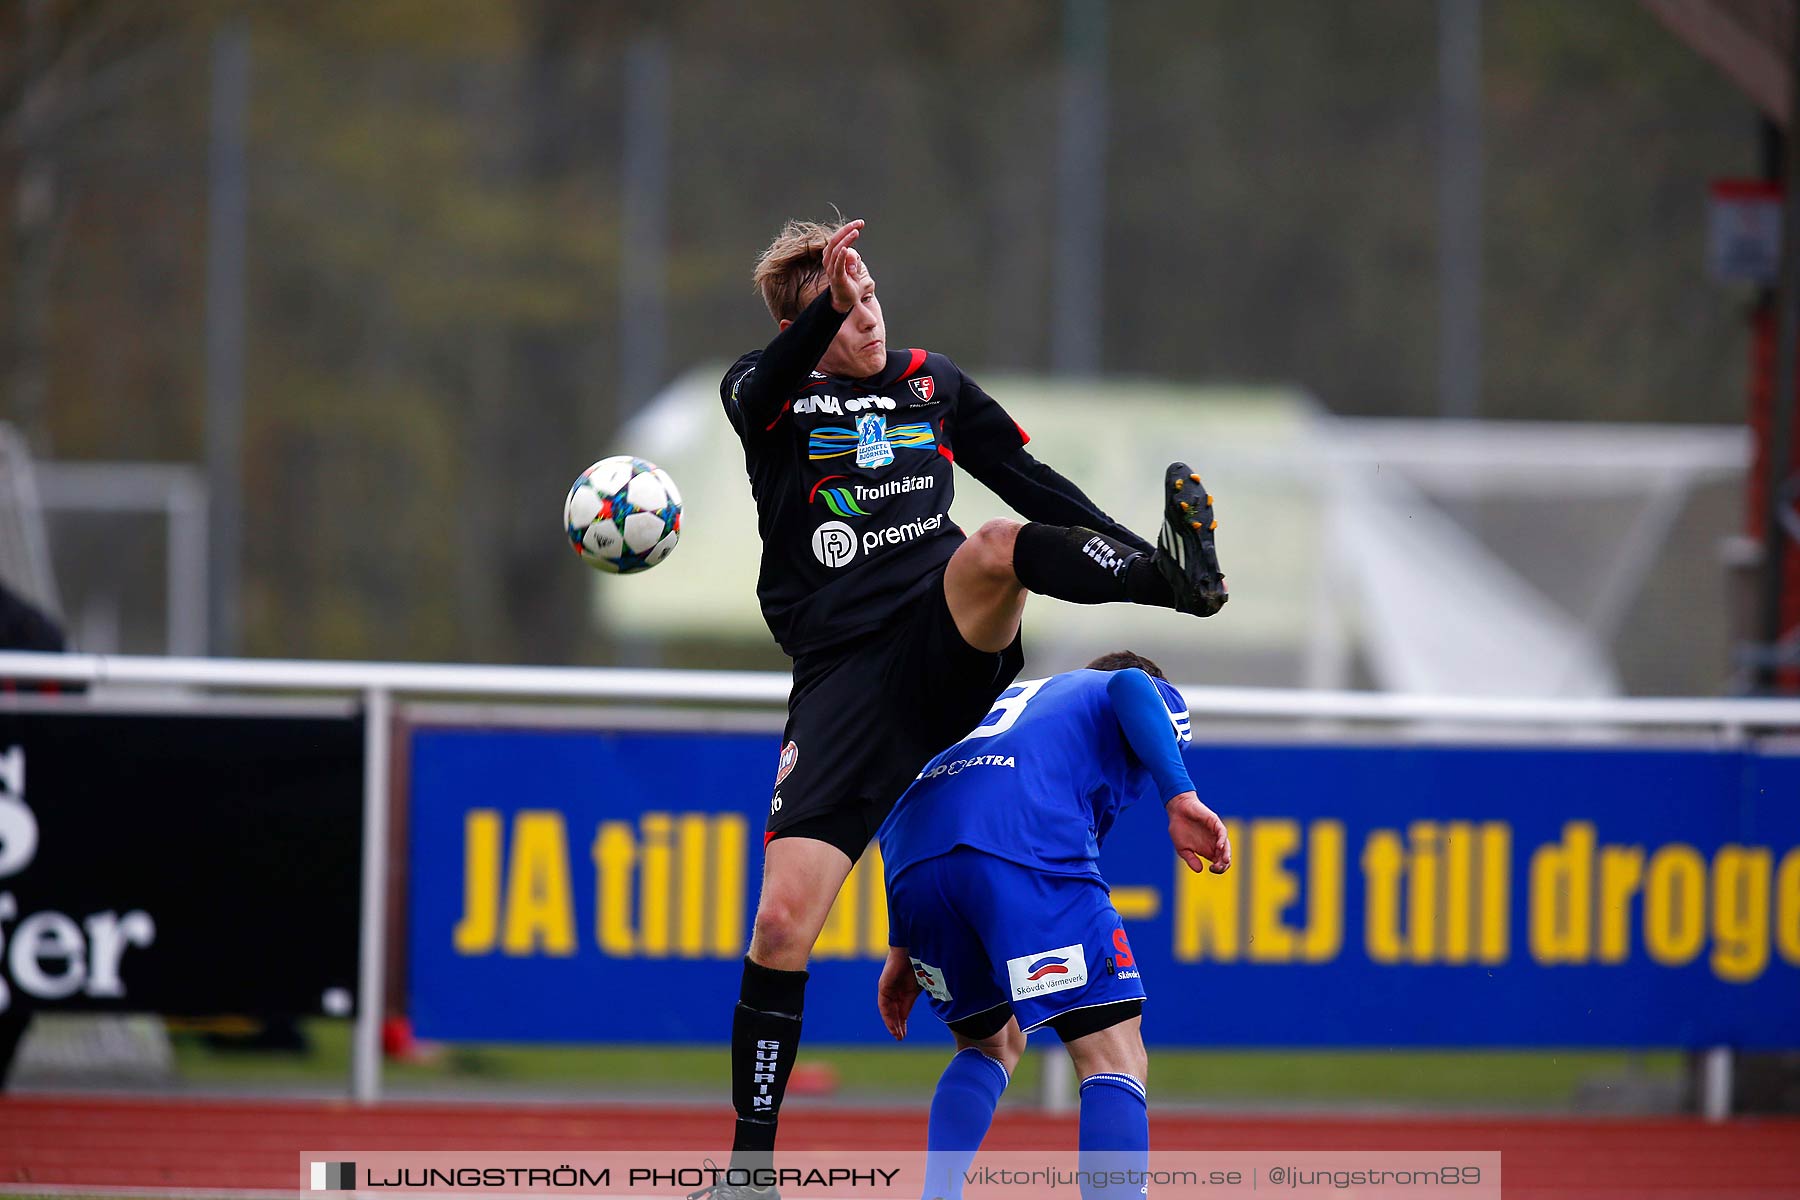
[[853, 479]]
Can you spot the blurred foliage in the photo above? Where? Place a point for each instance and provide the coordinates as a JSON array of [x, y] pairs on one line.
[[434, 240]]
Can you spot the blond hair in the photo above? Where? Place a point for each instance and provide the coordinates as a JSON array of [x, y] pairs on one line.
[[792, 266]]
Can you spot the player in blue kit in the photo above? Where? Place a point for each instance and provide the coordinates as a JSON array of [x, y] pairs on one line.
[[998, 912]]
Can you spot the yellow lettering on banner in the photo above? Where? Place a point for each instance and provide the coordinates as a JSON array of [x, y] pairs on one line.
[[672, 886], [1562, 897], [838, 938], [1459, 890], [1272, 888], [1787, 907], [857, 925], [730, 865], [1206, 910], [1422, 896], [1494, 926], [480, 923], [1135, 902], [1621, 871], [615, 862], [1675, 905], [1324, 891], [690, 853], [655, 890], [1740, 913], [1382, 863], [539, 912], [875, 909]]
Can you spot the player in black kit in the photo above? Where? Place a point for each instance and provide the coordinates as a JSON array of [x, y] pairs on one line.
[[902, 630]]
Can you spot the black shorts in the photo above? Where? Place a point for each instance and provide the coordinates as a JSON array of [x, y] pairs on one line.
[[865, 717]]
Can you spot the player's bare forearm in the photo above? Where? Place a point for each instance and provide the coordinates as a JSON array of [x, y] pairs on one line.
[[1037, 492]]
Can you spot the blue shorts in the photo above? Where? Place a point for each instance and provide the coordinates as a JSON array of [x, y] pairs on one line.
[[984, 932]]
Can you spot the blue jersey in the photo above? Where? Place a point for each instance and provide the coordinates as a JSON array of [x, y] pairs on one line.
[[1040, 781]]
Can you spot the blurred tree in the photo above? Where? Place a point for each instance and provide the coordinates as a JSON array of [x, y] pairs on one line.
[[435, 218]]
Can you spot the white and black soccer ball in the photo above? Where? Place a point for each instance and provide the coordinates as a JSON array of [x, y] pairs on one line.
[[623, 515]]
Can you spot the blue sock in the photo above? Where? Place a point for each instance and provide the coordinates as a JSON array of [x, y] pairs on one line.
[[1115, 1129], [962, 1108]]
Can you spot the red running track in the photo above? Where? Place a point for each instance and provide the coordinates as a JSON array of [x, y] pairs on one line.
[[98, 1143]]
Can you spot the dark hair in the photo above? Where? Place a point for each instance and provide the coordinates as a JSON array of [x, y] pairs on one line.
[[1124, 660]]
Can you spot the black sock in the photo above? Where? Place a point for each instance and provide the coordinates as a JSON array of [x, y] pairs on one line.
[[1084, 567], [1146, 584], [765, 1039]]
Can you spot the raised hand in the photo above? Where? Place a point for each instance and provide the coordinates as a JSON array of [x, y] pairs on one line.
[[1199, 836], [844, 270]]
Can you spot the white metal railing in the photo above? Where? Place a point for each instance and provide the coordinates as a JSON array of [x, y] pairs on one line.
[[770, 687], [379, 683]]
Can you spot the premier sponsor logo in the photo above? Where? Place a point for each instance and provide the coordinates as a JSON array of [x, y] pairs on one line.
[[1056, 970], [894, 535], [834, 544]]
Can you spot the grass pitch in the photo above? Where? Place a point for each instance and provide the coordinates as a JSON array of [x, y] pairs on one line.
[[1400, 1078]]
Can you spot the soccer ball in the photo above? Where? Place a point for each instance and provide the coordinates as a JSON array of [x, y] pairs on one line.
[[623, 515]]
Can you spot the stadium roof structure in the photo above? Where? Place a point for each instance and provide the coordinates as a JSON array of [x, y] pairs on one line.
[[1343, 539]]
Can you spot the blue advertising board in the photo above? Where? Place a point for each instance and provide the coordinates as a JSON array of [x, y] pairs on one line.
[[584, 886]]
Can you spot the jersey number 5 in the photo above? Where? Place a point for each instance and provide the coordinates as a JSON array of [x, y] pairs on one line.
[[1006, 709]]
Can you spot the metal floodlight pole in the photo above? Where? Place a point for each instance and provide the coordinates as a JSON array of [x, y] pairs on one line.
[[225, 243], [643, 223], [1080, 193], [34, 224], [1778, 456], [1459, 208]]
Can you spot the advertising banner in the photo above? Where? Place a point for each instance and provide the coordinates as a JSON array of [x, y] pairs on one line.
[[191, 864], [599, 886]]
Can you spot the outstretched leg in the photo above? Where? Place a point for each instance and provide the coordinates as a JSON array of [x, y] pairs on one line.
[[987, 578]]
